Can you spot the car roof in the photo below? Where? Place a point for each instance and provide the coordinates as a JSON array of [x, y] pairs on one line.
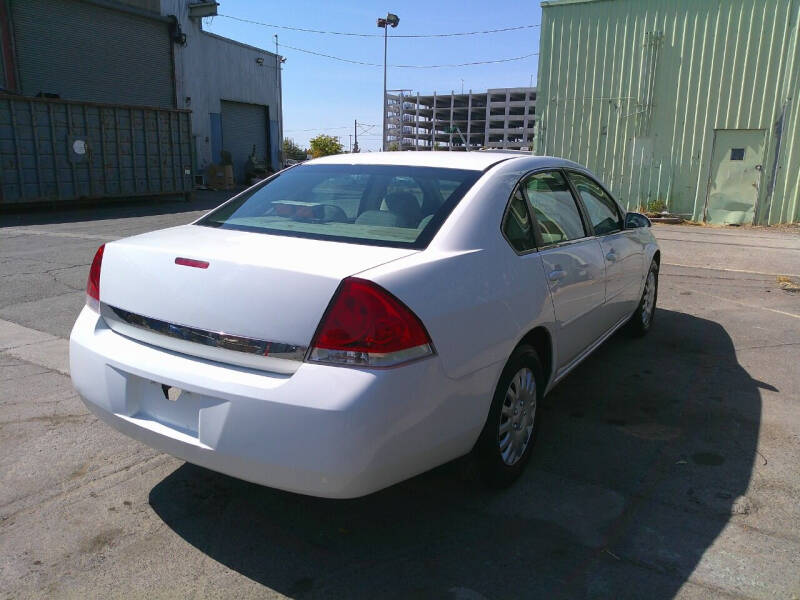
[[475, 161]]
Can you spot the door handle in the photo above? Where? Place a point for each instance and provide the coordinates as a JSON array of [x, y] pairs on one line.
[[611, 256], [557, 275]]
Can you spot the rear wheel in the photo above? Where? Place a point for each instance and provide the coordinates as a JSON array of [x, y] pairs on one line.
[[505, 444], [642, 319]]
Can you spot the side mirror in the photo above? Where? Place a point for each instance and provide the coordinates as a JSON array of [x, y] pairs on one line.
[[634, 220]]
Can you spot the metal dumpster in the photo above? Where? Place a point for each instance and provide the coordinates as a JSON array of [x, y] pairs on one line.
[[59, 150]]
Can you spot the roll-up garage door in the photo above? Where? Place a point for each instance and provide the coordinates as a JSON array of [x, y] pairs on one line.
[[83, 51], [244, 126]]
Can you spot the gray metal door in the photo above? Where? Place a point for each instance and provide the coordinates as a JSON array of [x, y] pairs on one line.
[[735, 176], [83, 51], [244, 126]]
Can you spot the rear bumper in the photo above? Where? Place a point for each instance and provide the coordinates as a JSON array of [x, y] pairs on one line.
[[324, 431]]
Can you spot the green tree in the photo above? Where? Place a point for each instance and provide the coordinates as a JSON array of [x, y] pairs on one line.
[[292, 150], [325, 145]]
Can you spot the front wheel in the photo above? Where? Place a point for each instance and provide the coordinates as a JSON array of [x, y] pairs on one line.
[[642, 319], [504, 446]]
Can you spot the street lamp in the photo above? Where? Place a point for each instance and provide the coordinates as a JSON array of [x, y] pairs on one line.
[[391, 20]]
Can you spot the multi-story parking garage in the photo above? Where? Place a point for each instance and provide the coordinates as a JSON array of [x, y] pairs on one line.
[[497, 118]]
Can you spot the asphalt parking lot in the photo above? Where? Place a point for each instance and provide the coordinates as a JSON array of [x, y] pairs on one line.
[[666, 466]]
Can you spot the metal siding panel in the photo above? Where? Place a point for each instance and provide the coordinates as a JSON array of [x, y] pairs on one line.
[[722, 64], [243, 126], [82, 51], [785, 203]]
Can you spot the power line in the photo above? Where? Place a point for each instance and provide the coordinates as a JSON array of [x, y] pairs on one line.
[[467, 64], [368, 64], [352, 34], [347, 60], [366, 125], [317, 129]]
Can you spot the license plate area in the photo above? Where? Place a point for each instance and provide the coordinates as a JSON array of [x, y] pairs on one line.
[[170, 410]]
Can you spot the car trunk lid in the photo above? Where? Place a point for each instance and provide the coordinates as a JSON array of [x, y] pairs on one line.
[[254, 287]]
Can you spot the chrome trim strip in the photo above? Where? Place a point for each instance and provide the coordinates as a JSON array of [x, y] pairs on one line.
[[221, 346]]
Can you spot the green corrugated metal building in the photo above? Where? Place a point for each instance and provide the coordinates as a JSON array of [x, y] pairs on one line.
[[691, 104]]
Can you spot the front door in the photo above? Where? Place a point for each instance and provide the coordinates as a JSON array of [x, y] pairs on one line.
[[572, 261], [735, 177], [622, 249]]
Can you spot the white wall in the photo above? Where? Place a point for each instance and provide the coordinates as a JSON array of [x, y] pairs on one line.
[[211, 68]]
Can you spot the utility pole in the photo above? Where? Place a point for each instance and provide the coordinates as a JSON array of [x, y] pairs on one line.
[[350, 148], [355, 135], [278, 62], [393, 21]]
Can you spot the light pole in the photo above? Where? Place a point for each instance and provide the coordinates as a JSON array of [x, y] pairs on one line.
[[390, 20]]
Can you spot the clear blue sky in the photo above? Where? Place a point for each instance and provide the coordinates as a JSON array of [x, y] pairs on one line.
[[325, 95]]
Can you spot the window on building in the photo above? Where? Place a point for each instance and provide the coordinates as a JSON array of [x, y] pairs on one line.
[[737, 153]]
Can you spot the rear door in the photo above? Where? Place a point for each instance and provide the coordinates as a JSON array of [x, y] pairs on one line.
[[623, 251], [572, 260]]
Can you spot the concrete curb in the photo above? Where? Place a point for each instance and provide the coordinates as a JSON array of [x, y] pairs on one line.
[[34, 346]]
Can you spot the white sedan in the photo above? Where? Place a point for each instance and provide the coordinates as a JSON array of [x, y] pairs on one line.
[[358, 319]]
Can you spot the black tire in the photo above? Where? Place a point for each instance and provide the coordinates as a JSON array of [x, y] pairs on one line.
[[638, 325], [487, 458]]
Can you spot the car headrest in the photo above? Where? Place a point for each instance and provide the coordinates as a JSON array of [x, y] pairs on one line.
[[405, 204]]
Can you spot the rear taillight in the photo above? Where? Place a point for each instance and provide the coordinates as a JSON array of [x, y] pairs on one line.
[[365, 325], [93, 283]]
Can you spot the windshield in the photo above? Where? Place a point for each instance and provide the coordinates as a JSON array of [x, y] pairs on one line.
[[384, 205]]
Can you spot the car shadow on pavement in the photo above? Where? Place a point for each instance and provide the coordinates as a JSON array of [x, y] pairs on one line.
[[644, 455]]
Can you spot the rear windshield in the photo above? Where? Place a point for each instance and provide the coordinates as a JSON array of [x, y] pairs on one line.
[[381, 205]]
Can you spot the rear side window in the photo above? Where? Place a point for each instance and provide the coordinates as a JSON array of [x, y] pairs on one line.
[[601, 208], [517, 226], [384, 205], [555, 211]]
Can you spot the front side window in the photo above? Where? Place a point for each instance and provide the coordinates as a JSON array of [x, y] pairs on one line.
[[517, 225], [557, 217], [385, 205], [602, 209]]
